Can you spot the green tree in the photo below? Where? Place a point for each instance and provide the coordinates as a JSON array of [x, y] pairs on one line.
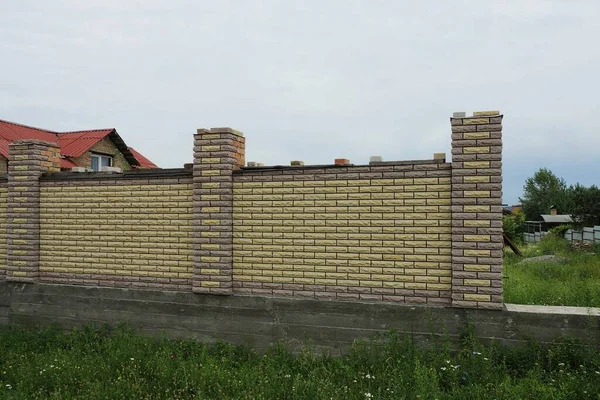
[[542, 191], [585, 205]]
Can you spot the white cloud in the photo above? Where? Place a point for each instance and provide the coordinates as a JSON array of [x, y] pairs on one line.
[[310, 80]]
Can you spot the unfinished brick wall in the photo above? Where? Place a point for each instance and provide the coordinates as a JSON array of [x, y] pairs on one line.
[[425, 232], [379, 232], [113, 230]]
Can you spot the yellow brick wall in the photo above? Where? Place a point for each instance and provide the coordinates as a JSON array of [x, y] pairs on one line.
[[3, 165], [117, 232], [3, 198], [386, 239]]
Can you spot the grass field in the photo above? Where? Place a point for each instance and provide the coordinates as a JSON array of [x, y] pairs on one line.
[[575, 282], [118, 364]]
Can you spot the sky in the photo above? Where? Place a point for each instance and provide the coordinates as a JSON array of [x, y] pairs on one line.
[[312, 80]]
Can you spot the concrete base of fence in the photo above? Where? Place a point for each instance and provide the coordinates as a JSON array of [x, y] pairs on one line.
[[260, 321]]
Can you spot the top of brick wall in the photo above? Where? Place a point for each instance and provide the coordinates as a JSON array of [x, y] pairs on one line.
[[320, 166], [135, 174]]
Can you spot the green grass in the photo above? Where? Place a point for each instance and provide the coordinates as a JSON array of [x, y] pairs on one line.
[[575, 282], [119, 364]]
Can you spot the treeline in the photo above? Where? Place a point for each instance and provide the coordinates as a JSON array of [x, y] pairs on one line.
[[545, 190]]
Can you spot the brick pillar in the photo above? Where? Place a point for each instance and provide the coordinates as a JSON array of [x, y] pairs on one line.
[[217, 152], [477, 241], [27, 161]]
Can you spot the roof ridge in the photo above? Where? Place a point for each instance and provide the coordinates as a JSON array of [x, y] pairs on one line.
[[28, 126], [87, 130]]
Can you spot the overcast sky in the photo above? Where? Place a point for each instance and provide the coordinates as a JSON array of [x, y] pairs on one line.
[[312, 80]]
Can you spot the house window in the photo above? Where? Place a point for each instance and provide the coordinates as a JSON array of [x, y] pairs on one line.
[[100, 160]]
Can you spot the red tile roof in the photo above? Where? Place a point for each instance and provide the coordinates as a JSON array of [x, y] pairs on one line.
[[66, 163], [144, 162], [10, 131], [72, 144]]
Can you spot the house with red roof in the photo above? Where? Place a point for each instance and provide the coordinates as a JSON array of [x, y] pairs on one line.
[[91, 149]]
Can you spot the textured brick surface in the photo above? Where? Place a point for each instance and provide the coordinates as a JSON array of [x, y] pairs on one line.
[[3, 198], [423, 231], [28, 159], [369, 232], [217, 152], [117, 232], [477, 211]]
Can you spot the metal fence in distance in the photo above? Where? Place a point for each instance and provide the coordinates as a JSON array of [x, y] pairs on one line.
[[587, 234]]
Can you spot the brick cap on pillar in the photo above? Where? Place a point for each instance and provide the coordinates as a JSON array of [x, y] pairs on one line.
[[226, 130], [476, 114], [201, 131], [486, 113], [33, 141]]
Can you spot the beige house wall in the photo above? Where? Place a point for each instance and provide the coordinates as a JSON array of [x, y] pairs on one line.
[[106, 147]]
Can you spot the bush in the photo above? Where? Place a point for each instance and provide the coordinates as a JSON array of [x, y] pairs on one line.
[[560, 230], [514, 226]]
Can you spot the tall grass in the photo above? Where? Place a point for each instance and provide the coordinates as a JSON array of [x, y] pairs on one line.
[[574, 282], [119, 364]]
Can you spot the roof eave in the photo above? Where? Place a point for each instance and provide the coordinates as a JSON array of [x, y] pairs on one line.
[[123, 148]]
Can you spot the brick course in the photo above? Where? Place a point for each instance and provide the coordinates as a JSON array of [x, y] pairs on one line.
[[217, 152], [117, 232], [28, 160], [3, 198], [369, 232], [477, 211]]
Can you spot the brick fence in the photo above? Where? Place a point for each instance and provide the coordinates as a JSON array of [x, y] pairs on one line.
[[424, 231]]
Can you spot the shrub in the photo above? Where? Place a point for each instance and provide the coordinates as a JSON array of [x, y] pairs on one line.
[[513, 226], [560, 230]]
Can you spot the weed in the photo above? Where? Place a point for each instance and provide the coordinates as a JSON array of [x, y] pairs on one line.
[[107, 363], [575, 282]]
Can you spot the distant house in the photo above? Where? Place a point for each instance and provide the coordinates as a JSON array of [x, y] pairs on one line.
[[548, 221], [516, 208], [91, 149], [511, 210]]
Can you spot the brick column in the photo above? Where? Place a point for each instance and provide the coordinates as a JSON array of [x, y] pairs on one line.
[[27, 161], [217, 152], [477, 241]]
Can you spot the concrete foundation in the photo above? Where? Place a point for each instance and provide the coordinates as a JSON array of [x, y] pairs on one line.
[[260, 321]]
